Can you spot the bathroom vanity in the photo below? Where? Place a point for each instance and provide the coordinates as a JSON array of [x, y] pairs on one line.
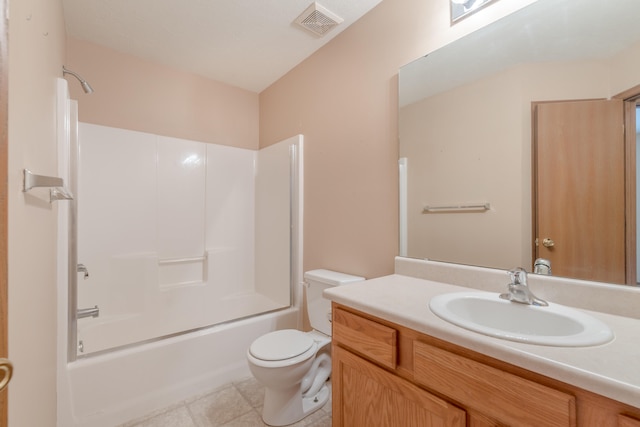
[[395, 363]]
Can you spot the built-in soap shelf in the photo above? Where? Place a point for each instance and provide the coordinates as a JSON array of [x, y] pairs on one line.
[[56, 185], [165, 261], [179, 272]]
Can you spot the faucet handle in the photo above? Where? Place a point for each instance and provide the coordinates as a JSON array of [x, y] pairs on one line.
[[81, 268], [519, 290]]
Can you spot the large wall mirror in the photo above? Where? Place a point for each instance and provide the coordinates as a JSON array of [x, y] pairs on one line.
[[477, 150]]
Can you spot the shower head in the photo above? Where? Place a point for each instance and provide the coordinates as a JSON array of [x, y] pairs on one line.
[[86, 87]]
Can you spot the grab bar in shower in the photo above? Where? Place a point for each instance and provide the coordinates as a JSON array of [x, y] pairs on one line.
[[181, 260], [88, 312], [57, 192]]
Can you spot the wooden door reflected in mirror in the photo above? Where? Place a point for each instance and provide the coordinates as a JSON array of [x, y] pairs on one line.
[[580, 193]]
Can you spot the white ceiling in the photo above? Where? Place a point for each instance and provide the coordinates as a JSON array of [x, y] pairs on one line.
[[547, 30], [244, 43]]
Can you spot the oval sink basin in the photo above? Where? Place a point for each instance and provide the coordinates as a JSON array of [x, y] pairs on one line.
[[555, 325]]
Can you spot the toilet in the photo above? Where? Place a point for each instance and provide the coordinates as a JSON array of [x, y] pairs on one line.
[[294, 366]]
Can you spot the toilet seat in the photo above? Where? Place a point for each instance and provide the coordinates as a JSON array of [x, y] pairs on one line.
[[281, 345]]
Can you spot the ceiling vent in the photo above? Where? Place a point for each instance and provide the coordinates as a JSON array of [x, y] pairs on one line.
[[317, 19]]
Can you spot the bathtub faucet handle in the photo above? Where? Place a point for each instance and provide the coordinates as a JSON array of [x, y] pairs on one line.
[[81, 268]]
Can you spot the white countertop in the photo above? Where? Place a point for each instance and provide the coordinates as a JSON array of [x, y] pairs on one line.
[[611, 370]]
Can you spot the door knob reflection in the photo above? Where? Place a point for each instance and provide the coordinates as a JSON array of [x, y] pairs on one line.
[[6, 370]]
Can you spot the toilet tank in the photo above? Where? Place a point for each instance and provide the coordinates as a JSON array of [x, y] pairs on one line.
[[319, 308]]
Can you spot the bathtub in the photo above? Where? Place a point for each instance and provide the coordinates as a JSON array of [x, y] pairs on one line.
[[112, 388]]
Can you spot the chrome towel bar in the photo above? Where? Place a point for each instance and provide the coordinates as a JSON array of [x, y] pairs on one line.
[[458, 208]]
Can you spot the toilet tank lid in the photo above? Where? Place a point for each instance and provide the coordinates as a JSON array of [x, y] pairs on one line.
[[331, 277]]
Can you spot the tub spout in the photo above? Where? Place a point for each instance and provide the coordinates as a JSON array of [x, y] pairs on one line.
[[88, 312]]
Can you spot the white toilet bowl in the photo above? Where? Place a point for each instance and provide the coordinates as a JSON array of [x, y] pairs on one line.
[[295, 366]]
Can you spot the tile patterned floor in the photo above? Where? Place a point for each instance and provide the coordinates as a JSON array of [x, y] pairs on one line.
[[238, 404]]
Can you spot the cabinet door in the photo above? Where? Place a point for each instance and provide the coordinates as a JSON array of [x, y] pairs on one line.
[[367, 395], [624, 421]]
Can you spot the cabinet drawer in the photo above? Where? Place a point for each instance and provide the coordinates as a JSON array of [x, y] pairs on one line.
[[371, 339], [509, 398]]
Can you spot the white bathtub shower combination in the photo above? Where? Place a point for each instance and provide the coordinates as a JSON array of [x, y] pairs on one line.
[[177, 234], [191, 250]]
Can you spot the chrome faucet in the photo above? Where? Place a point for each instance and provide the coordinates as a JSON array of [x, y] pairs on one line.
[[542, 266], [519, 290]]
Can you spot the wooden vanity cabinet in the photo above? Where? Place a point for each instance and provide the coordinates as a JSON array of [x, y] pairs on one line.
[[388, 375], [624, 421], [365, 394]]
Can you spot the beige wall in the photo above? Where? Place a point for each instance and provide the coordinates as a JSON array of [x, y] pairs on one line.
[[624, 69], [135, 94], [344, 100], [36, 52]]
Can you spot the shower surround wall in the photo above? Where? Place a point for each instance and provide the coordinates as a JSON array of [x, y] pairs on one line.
[[177, 235], [249, 200]]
